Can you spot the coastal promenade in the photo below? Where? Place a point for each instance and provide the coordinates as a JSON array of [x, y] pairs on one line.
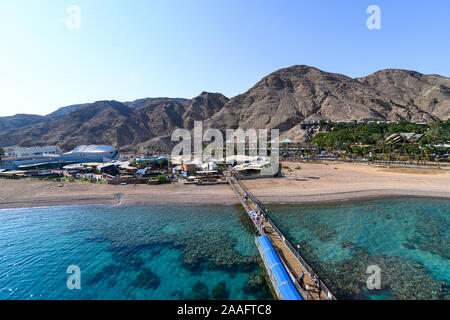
[[290, 257]]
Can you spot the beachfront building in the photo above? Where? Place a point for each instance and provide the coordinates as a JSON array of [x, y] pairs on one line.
[[256, 168], [91, 153], [81, 154], [32, 151], [188, 167]]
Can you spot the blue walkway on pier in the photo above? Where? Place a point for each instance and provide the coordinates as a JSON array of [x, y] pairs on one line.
[[283, 284]]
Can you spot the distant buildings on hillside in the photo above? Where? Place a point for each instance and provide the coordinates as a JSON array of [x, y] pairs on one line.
[[309, 123], [402, 137]]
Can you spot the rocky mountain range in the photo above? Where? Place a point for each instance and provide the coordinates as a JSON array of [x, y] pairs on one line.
[[282, 100]]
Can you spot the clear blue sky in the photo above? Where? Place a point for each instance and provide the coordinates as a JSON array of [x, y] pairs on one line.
[[126, 50]]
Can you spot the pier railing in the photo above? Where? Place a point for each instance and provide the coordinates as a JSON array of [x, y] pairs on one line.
[[247, 209], [302, 261], [261, 232], [295, 252]]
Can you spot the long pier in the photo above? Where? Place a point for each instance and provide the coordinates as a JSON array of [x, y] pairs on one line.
[[293, 262]]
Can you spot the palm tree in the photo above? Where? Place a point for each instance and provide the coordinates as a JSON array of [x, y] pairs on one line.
[[421, 156], [389, 153], [427, 153]]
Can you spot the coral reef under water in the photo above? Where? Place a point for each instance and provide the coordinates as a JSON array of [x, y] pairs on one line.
[[203, 247], [404, 279], [199, 291], [220, 291], [146, 279], [429, 235], [256, 285], [105, 273], [408, 238], [214, 251]]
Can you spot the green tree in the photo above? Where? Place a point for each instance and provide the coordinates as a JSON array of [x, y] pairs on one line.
[[161, 162], [162, 179], [2, 153]]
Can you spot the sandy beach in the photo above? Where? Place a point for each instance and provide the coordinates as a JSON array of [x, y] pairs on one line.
[[303, 183]]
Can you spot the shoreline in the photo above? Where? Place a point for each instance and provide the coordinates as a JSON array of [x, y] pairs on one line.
[[314, 200], [307, 200], [303, 184]]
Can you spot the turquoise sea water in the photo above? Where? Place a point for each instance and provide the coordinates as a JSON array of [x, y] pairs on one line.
[[199, 252], [408, 238], [128, 252]]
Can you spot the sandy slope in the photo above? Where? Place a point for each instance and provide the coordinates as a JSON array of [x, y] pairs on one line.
[[312, 182]]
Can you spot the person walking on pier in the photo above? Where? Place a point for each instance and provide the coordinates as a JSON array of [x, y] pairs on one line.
[[301, 279], [320, 291], [316, 280]]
